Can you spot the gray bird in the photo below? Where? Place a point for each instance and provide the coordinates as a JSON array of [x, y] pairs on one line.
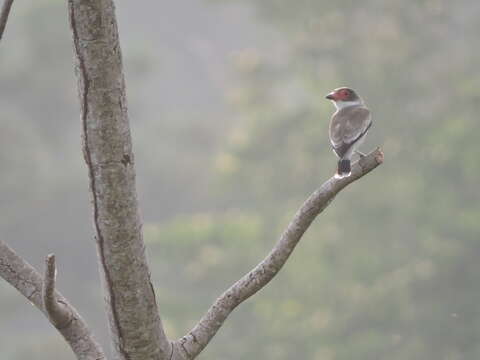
[[348, 127]]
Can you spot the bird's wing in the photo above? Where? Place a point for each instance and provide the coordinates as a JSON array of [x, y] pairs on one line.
[[347, 126]]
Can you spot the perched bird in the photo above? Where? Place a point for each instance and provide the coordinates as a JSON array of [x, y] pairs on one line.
[[348, 127]]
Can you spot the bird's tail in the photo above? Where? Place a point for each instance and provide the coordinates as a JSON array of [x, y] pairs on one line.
[[343, 169]]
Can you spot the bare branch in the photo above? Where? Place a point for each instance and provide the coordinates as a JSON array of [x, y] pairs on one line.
[[59, 314], [41, 292], [189, 346], [7, 5], [29, 283]]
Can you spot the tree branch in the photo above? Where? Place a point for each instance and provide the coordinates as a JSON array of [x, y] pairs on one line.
[[61, 314], [190, 345], [57, 312], [7, 5], [41, 292]]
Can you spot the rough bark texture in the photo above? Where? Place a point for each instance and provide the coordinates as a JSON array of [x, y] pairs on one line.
[[135, 325], [189, 346], [29, 283]]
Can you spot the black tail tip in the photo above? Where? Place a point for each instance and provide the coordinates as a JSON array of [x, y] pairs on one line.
[[344, 169]]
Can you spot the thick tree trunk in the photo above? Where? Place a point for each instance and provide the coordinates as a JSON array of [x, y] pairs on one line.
[[135, 325]]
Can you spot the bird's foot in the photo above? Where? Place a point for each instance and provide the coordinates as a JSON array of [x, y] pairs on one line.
[[362, 155]]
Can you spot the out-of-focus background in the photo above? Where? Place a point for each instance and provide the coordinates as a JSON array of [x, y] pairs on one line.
[[229, 124]]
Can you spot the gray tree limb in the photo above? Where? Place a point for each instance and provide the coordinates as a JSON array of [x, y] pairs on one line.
[[21, 275], [41, 292], [190, 345], [58, 313], [7, 5], [135, 326]]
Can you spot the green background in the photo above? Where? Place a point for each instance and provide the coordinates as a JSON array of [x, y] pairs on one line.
[[229, 124]]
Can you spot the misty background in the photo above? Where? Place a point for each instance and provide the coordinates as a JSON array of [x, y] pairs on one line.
[[229, 125]]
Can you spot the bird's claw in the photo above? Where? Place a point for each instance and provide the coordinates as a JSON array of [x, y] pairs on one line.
[[362, 155]]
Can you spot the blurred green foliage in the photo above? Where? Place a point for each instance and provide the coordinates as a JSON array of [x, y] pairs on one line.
[[388, 271]]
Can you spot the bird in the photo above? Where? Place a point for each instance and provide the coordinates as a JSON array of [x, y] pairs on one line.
[[348, 127]]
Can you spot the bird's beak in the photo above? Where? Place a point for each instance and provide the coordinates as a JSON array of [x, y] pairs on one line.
[[330, 96]]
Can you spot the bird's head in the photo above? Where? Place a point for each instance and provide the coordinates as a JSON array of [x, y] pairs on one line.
[[343, 97]]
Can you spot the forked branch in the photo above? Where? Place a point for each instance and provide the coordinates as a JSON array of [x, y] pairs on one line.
[[190, 345], [41, 292], [38, 291]]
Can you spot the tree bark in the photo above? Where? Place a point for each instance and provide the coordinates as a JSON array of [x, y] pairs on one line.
[[30, 284], [7, 5], [58, 313], [190, 345], [135, 324]]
